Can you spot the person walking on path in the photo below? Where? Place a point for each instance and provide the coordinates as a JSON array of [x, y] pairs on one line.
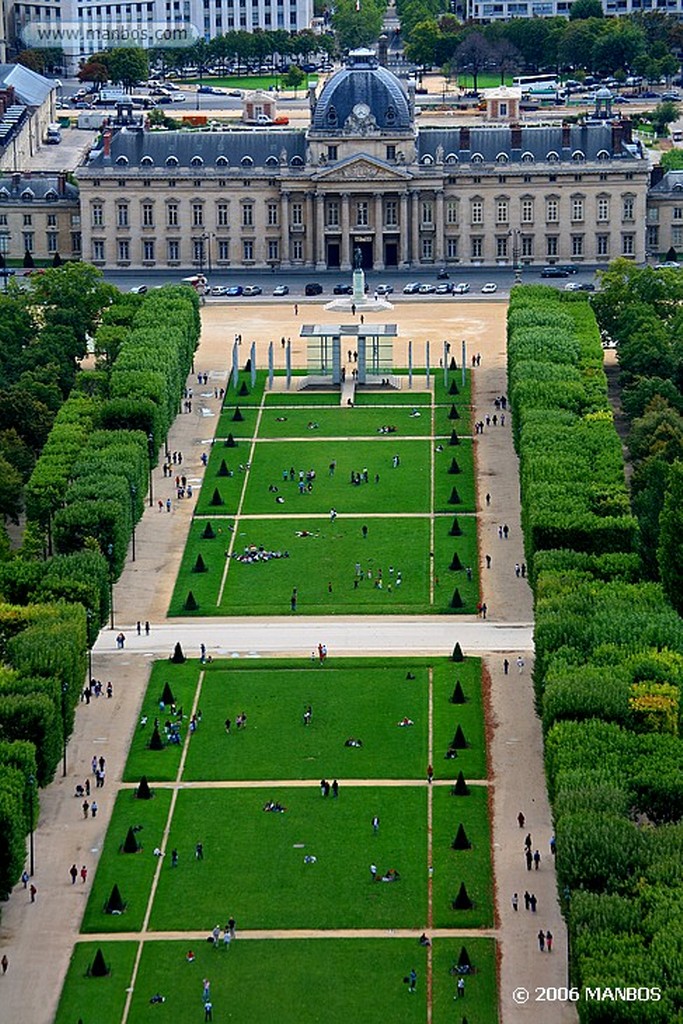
[[94, 808], [227, 938], [537, 859], [86, 807], [527, 900], [335, 789], [84, 874], [549, 941], [520, 664], [216, 932], [541, 940], [515, 902], [506, 666], [4, 963], [231, 927], [25, 878], [430, 774], [527, 841], [533, 903], [521, 819], [529, 859], [73, 871], [412, 980], [33, 892]]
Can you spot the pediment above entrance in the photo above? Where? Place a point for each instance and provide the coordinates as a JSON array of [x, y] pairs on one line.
[[361, 169]]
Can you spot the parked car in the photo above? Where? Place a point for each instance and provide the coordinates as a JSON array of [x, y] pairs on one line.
[[205, 88], [572, 286], [667, 265], [138, 289], [587, 286], [252, 289], [461, 288], [313, 289], [343, 289], [219, 289], [384, 289], [445, 288], [412, 288], [426, 289], [281, 289], [235, 92], [570, 268], [554, 272], [489, 288], [234, 289]]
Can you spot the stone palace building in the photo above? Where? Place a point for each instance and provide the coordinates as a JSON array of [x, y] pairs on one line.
[[363, 176]]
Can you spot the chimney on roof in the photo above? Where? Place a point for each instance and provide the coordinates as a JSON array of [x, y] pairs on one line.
[[617, 136], [61, 184], [566, 136], [16, 182], [656, 174], [106, 144], [465, 138], [515, 136]]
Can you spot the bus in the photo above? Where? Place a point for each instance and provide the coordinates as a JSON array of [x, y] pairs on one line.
[[536, 83]]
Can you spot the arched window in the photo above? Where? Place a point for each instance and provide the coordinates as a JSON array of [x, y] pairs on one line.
[[222, 161], [451, 158], [427, 159], [477, 158], [502, 158], [196, 161], [603, 155], [578, 156], [296, 161], [272, 161], [553, 157], [171, 161], [528, 158], [247, 161], [122, 160], [147, 161]]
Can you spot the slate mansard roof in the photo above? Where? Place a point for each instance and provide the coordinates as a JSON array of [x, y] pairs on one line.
[[167, 151], [528, 144]]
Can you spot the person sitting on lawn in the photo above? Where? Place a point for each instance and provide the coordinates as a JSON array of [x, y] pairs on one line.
[[405, 721], [392, 875], [351, 742], [190, 956]]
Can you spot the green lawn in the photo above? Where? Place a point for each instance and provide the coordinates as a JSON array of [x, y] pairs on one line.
[[479, 1005], [365, 398], [341, 423], [96, 1000], [447, 578], [366, 703], [248, 82], [223, 474], [448, 716], [132, 872], [447, 482], [454, 391], [244, 394], [253, 866], [238, 420], [452, 867], [302, 398], [161, 765]]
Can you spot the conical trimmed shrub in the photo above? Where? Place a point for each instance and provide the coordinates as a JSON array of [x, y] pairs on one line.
[[460, 788], [454, 498], [454, 439], [454, 468], [462, 900], [208, 533], [453, 413], [452, 365], [455, 562], [461, 842], [230, 442], [456, 529], [216, 498], [114, 904], [457, 654], [464, 958], [167, 697], [98, 968], [223, 469], [190, 602], [458, 695], [200, 565], [143, 792], [456, 600], [237, 416], [453, 389], [459, 741], [130, 843], [178, 658], [155, 740]]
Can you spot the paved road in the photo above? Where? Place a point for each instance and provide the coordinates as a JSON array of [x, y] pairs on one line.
[[299, 635]]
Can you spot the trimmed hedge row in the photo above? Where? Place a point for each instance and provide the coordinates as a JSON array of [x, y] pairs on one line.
[[608, 674]]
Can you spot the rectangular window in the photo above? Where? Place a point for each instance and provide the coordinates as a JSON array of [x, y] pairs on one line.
[[452, 248], [147, 215], [603, 209], [427, 248], [198, 250], [628, 245], [172, 215], [28, 220], [97, 250], [297, 214], [273, 249], [248, 215], [362, 220], [123, 250], [477, 211], [331, 152], [678, 213], [391, 152], [452, 211], [247, 251], [677, 236], [527, 211], [551, 245], [28, 241], [223, 249], [502, 211], [197, 215], [653, 237], [52, 220], [427, 213], [297, 249], [391, 213], [272, 215], [577, 245], [552, 211], [222, 215], [333, 214], [577, 209], [3, 219], [602, 245], [148, 250], [628, 208], [122, 215], [173, 251], [51, 242], [527, 245], [476, 248], [501, 247]]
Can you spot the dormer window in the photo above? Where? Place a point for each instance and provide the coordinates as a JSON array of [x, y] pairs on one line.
[[296, 161], [51, 196], [272, 161], [553, 157], [147, 162], [603, 155], [122, 161], [451, 158], [390, 116], [27, 195], [578, 156], [196, 161], [527, 157], [247, 161], [222, 161], [171, 161], [502, 158], [332, 118], [477, 158]]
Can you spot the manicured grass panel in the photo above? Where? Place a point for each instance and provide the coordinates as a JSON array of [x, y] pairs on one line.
[[447, 580], [404, 489], [452, 867], [96, 1000], [470, 716], [229, 487], [298, 981], [132, 872], [345, 422], [404, 397], [442, 394], [329, 555], [162, 765], [347, 702], [444, 482], [297, 398], [480, 1002], [253, 869], [204, 585], [240, 429], [232, 394]]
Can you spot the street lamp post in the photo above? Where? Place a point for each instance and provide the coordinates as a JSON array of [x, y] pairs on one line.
[[133, 492], [88, 614], [516, 256], [150, 446], [31, 861], [65, 690], [110, 553]]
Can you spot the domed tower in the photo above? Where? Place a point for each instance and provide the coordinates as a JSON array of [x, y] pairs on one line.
[[362, 109]]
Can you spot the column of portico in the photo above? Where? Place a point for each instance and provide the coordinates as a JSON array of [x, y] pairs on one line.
[[415, 247], [320, 262], [438, 245], [345, 232], [309, 236], [285, 245], [405, 231], [378, 262]]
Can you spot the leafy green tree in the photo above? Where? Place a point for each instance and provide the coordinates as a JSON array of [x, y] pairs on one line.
[[670, 551], [472, 55], [294, 78], [128, 65], [74, 295], [355, 28], [663, 115], [617, 46], [577, 44], [672, 160], [94, 71], [580, 10]]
